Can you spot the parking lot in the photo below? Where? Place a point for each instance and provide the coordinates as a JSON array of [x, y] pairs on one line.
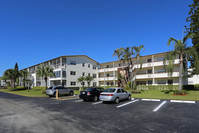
[[23, 114]]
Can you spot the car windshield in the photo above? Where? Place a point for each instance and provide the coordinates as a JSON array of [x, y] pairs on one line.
[[50, 88], [110, 90], [89, 89]]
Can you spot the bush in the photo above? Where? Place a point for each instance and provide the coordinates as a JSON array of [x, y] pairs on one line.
[[157, 87], [39, 87], [191, 87], [17, 89], [177, 92]]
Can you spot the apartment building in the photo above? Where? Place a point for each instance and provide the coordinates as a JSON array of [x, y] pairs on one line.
[[66, 69], [151, 73]]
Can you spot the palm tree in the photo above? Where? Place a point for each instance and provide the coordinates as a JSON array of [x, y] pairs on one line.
[[24, 75], [137, 51], [81, 80], [182, 51], [44, 72], [12, 75], [126, 57], [89, 79]]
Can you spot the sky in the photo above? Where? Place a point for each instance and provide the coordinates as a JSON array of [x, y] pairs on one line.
[[33, 31]]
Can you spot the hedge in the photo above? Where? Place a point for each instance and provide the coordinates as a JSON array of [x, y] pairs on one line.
[[167, 87]]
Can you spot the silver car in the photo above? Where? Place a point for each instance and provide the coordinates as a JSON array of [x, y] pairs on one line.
[[114, 95], [51, 91]]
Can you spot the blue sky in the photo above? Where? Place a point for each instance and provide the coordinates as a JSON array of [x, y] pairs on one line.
[[33, 31]]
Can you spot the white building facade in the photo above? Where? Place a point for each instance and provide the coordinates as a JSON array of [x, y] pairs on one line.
[[68, 69], [151, 73]]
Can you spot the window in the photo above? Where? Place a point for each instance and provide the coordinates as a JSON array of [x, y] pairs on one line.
[[72, 83], [149, 71], [94, 75], [123, 91], [83, 64], [141, 83], [161, 82], [94, 67], [89, 65], [160, 58], [94, 83], [83, 74], [149, 60], [107, 66], [119, 91], [72, 73], [63, 61], [57, 74], [161, 70], [89, 74], [73, 62], [64, 74], [107, 75], [150, 82], [170, 82]]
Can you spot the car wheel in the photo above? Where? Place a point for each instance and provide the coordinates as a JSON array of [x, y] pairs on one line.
[[84, 100], [95, 98], [129, 97], [50, 95], [71, 93], [117, 100], [54, 94]]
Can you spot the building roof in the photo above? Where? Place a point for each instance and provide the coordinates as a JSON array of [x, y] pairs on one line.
[[63, 56]]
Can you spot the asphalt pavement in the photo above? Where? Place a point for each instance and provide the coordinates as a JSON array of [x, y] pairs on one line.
[[20, 114]]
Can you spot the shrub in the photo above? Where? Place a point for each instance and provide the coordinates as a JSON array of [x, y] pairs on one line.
[[18, 89], [177, 92]]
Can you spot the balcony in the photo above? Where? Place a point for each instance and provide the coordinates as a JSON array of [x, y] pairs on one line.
[[108, 69], [107, 78], [153, 64], [156, 75]]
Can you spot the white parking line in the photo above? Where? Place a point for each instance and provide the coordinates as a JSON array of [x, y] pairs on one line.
[[151, 100], [180, 101], [127, 103], [97, 102], [158, 107], [79, 101]]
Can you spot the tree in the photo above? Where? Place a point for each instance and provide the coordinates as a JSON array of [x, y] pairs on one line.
[[182, 51], [126, 57], [11, 74], [24, 75], [81, 80], [137, 51], [16, 68], [193, 30], [44, 72], [88, 79]]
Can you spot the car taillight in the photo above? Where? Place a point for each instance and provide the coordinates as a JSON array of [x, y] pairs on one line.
[[106, 94], [88, 93]]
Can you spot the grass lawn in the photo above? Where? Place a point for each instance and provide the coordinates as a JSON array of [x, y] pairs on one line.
[[35, 92], [160, 94]]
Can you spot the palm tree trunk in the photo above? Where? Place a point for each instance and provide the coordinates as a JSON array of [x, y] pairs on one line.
[[134, 78], [45, 83], [180, 73]]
